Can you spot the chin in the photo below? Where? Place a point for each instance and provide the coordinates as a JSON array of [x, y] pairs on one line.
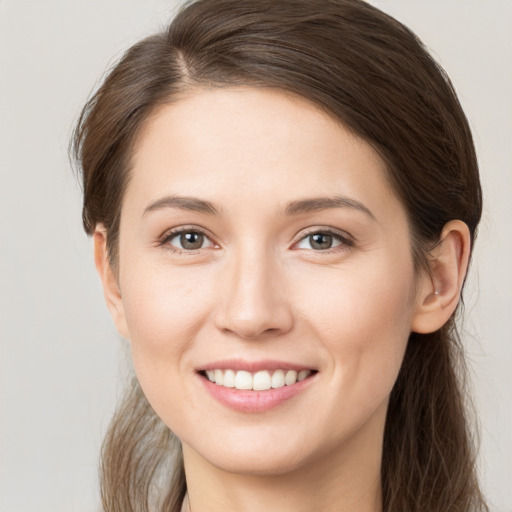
[[254, 462], [264, 455]]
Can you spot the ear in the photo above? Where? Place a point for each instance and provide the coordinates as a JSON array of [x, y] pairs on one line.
[[439, 292], [111, 289]]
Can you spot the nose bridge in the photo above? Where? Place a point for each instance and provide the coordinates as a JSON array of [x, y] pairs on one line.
[[253, 301]]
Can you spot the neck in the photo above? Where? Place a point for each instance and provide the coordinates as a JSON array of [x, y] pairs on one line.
[[343, 481]]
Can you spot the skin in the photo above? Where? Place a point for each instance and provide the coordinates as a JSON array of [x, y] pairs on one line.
[[258, 289]]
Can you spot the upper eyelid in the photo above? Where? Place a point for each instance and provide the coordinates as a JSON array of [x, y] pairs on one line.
[[324, 229], [171, 233], [163, 240]]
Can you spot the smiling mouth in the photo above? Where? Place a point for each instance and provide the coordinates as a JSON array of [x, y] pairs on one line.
[[256, 381]]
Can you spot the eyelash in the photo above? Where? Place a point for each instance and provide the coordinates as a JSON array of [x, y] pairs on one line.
[[345, 240], [179, 231]]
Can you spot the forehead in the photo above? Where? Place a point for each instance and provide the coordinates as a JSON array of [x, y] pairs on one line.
[[251, 144]]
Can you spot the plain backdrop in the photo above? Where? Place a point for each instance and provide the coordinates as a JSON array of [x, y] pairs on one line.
[[61, 361]]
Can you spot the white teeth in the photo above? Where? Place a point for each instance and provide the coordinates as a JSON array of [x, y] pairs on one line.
[[261, 381], [228, 380], [258, 381], [278, 379], [290, 378], [243, 380], [303, 374]]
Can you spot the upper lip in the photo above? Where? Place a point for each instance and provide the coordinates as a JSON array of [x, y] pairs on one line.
[[253, 366]]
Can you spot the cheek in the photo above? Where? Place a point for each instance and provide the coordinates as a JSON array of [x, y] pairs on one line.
[[362, 316], [164, 314], [164, 310], [364, 297]]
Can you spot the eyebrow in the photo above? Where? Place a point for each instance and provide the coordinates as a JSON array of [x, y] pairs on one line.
[[294, 208], [324, 203], [183, 203]]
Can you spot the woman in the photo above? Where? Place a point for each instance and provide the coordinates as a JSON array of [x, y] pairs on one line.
[[283, 198]]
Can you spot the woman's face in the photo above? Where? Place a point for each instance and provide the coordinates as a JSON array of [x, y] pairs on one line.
[[258, 236]]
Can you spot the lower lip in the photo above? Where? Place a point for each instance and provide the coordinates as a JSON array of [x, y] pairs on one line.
[[255, 401]]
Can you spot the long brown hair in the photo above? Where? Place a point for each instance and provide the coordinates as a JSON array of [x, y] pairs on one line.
[[370, 72]]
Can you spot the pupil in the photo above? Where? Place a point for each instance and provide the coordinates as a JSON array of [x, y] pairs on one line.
[[191, 240], [320, 241]]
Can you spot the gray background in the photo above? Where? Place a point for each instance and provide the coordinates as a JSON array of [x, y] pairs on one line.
[[61, 362]]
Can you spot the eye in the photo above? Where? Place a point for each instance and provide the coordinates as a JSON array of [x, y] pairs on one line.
[[187, 240], [323, 241]]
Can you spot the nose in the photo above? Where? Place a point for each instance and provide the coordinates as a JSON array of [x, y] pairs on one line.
[[253, 301]]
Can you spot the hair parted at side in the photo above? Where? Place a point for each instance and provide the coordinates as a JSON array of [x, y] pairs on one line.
[[372, 74]]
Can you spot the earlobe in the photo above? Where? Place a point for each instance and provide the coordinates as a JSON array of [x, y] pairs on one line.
[[111, 289], [439, 292]]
